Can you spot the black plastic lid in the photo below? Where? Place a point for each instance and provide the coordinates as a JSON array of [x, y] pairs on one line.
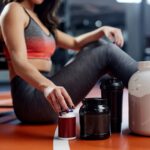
[[95, 100], [111, 84]]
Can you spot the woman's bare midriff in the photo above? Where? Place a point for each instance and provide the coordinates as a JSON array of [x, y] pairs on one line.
[[40, 64]]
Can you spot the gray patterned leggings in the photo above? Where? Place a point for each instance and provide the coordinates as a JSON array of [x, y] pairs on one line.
[[78, 77]]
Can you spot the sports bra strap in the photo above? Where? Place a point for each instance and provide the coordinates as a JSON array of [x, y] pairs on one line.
[[26, 12]]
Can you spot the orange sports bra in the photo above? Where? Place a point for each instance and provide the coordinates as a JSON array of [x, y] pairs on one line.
[[39, 44]]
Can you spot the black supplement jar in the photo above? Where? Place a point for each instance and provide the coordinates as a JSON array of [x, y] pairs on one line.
[[94, 119]]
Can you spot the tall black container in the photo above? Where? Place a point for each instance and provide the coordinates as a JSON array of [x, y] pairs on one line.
[[112, 89]]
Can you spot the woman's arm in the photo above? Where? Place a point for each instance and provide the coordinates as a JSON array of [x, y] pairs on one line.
[[13, 24], [66, 41]]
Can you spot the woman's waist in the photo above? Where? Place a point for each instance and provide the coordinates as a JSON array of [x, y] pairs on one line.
[[41, 64]]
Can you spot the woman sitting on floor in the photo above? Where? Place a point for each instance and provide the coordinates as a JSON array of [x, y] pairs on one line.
[[30, 37]]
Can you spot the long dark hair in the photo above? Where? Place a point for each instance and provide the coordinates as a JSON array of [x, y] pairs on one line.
[[45, 11]]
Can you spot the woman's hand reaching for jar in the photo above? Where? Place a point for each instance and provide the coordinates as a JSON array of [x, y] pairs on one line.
[[59, 98]]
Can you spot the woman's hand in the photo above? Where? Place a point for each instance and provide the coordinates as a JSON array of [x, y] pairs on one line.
[[59, 98], [113, 34]]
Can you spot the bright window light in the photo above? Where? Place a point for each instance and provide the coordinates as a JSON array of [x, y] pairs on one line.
[[130, 1], [148, 2]]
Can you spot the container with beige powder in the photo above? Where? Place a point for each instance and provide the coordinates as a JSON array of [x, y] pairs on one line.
[[139, 100]]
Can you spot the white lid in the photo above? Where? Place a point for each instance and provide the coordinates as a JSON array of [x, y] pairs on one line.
[[67, 115]]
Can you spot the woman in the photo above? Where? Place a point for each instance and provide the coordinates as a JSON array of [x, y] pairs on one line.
[[30, 35]]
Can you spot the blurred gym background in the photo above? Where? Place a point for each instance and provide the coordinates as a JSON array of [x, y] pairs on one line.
[[80, 16]]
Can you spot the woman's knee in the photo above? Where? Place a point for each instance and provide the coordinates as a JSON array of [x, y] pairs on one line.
[[114, 50], [94, 44]]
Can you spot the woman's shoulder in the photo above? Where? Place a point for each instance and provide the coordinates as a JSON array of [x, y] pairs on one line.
[[12, 6], [12, 9]]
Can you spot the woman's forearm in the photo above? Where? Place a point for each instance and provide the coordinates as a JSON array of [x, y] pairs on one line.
[[89, 37], [77, 43], [30, 74]]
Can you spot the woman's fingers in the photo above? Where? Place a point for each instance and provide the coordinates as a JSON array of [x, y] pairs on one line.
[[114, 35], [118, 37], [54, 102], [110, 36], [50, 100], [61, 99], [67, 97]]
